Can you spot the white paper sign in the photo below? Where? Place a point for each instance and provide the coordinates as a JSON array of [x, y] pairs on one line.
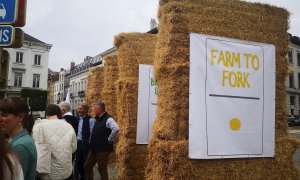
[[147, 103], [232, 98]]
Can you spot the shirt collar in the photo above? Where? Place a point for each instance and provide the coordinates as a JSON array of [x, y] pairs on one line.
[[81, 117], [68, 113], [102, 114], [17, 136]]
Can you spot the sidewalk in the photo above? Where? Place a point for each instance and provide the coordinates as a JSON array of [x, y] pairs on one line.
[[112, 172], [295, 132]]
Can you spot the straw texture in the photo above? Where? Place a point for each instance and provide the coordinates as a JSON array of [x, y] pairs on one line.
[[133, 49], [168, 150], [95, 86], [109, 95]]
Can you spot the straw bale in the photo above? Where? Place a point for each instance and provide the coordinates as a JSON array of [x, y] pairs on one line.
[[109, 95], [171, 162], [133, 45], [133, 49], [94, 87], [168, 150]]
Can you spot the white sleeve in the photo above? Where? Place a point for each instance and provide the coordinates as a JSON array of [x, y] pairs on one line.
[[74, 141], [18, 172], [111, 124], [37, 133]]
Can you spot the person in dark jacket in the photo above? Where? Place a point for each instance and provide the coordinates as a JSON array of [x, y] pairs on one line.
[[68, 116], [103, 136], [73, 121], [85, 127]]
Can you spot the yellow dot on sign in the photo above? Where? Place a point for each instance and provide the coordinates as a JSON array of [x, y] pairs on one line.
[[235, 124]]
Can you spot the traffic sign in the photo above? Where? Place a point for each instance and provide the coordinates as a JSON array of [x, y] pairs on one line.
[[7, 35], [21, 19], [8, 11], [18, 39]]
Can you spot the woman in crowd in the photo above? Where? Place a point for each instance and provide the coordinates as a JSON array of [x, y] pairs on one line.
[[10, 168], [16, 122], [62, 139]]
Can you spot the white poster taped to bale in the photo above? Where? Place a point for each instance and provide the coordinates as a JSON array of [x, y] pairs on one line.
[[232, 98], [147, 103]]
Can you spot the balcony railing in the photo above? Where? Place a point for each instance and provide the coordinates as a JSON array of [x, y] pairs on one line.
[[81, 93]]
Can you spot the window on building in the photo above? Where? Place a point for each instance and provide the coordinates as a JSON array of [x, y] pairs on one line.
[[291, 81], [37, 59], [298, 58], [18, 79], [19, 57], [36, 81], [292, 100], [290, 56]]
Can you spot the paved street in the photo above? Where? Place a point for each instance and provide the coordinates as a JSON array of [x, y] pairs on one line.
[[112, 172]]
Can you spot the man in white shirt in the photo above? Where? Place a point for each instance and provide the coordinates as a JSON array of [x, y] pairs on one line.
[[101, 144]]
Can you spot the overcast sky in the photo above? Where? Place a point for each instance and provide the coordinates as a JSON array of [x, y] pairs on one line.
[[80, 28]]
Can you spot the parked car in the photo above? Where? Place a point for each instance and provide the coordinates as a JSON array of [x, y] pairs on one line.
[[291, 120], [296, 120]]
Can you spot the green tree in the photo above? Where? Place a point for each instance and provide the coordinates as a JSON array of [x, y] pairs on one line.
[[37, 99]]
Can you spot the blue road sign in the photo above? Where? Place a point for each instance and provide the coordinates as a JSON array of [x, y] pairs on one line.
[[7, 35], [8, 11]]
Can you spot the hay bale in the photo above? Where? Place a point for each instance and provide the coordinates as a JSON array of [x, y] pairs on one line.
[[133, 49], [109, 95], [94, 87], [168, 150]]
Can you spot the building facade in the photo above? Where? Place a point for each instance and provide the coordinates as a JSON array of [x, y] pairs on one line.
[[52, 77], [293, 82], [59, 91], [28, 66], [74, 79]]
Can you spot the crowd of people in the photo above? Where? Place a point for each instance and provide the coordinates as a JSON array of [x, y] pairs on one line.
[[74, 143]]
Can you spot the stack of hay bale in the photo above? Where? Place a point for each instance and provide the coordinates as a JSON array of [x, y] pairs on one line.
[[168, 150], [94, 87], [109, 95], [133, 49]]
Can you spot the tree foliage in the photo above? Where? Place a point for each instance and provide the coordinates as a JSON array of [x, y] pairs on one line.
[[37, 99]]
